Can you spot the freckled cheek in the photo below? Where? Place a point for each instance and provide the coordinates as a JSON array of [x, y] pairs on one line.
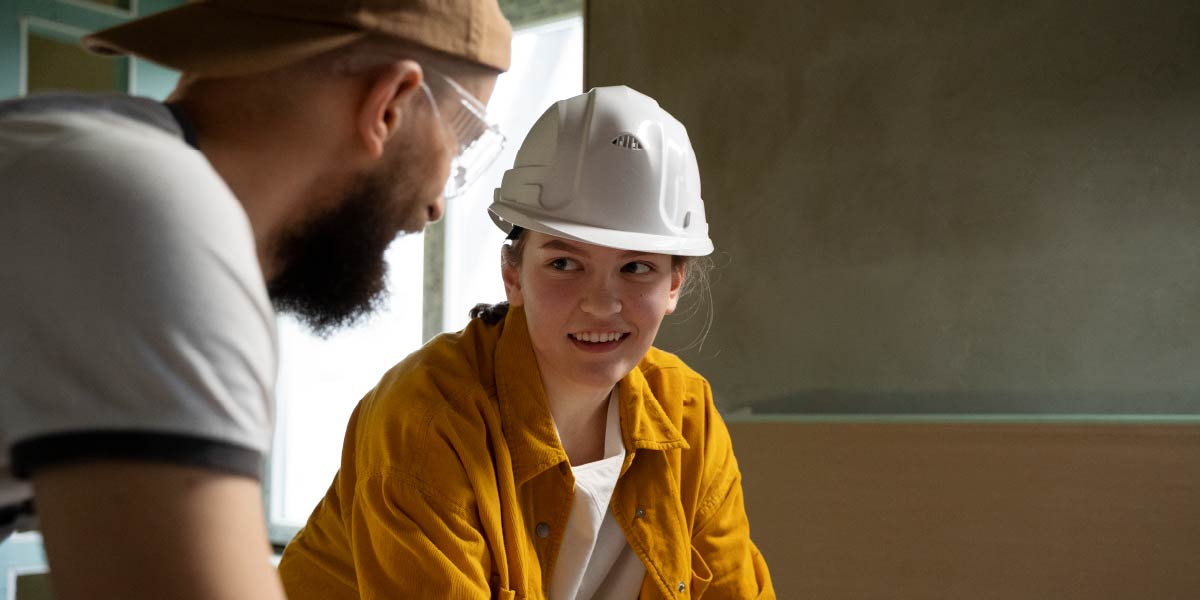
[[648, 300], [560, 299], [647, 309], [550, 305]]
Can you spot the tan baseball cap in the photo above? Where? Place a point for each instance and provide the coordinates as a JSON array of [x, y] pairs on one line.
[[226, 38]]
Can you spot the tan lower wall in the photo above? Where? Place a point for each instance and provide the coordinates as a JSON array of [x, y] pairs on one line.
[[975, 511]]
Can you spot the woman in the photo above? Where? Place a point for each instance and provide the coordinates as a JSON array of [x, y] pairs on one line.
[[548, 450]]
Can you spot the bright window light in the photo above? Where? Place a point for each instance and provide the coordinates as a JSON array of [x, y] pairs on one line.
[[321, 380], [547, 66]]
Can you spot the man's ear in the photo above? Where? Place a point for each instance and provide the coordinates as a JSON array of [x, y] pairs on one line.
[[512, 282], [390, 90], [677, 277]]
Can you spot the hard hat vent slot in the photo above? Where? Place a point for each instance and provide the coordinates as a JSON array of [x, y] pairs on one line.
[[687, 219], [626, 140]]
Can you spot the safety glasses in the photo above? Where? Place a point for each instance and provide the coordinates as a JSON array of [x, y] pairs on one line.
[[478, 140]]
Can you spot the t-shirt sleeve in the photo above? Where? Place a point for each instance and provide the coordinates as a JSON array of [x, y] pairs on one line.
[[134, 323]]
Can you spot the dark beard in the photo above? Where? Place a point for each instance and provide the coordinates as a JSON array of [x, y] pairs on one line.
[[333, 269]]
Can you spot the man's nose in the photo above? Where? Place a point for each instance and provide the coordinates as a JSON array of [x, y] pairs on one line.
[[435, 211]]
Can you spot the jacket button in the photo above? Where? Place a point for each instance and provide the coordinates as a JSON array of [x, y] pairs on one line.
[[639, 513], [682, 587], [542, 530]]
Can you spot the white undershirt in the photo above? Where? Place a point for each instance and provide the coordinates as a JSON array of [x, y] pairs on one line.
[[595, 560]]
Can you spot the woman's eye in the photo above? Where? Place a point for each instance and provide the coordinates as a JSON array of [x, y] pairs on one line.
[[638, 268], [564, 264]]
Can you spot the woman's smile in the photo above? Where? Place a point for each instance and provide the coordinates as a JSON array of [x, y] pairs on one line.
[[598, 341]]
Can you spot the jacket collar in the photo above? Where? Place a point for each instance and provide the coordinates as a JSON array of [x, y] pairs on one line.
[[525, 410], [644, 423]]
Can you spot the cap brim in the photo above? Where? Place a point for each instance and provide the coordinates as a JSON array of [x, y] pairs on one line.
[[621, 240], [215, 41]]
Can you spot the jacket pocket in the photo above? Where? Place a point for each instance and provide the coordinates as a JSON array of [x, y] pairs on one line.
[[701, 575], [504, 594]]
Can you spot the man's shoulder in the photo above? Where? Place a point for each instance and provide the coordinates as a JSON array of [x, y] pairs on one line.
[[48, 119], [65, 141], [110, 161], [134, 294], [134, 248], [106, 142]]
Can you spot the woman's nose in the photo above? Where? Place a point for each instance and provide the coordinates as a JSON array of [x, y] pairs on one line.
[[600, 299]]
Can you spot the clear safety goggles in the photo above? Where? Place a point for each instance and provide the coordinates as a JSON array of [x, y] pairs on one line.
[[465, 118]]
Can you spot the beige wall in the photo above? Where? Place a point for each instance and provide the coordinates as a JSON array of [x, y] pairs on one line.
[[974, 511], [985, 205]]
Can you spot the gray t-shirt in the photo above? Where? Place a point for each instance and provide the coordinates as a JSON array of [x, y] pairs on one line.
[[134, 321]]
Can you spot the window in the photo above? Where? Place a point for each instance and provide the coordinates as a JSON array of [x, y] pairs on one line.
[[547, 66], [22, 568], [321, 380]]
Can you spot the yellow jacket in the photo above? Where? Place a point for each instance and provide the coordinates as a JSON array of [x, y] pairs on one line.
[[451, 463]]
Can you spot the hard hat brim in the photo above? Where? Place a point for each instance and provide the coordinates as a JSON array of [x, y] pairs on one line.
[[694, 245]]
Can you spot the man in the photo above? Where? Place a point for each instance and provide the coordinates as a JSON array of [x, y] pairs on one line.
[[143, 245]]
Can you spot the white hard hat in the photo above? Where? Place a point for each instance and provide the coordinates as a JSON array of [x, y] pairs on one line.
[[609, 167]]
